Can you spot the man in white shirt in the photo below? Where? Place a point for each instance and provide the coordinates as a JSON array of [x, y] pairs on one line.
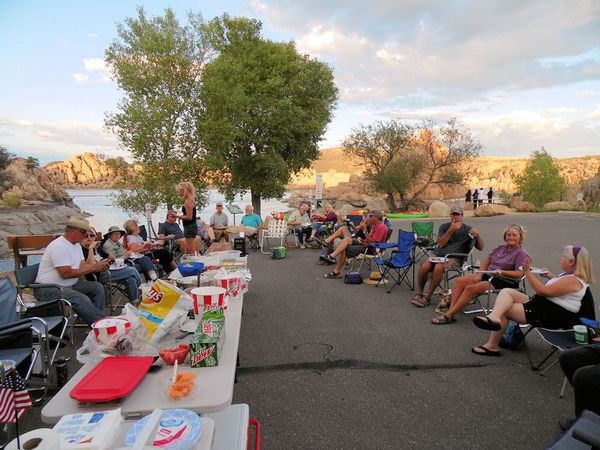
[[300, 221], [62, 264], [219, 222]]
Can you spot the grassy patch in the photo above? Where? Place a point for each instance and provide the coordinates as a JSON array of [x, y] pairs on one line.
[[12, 201]]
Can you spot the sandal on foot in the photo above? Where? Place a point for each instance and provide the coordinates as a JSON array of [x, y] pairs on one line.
[[421, 301], [328, 259], [484, 351], [485, 323], [443, 320], [332, 275]]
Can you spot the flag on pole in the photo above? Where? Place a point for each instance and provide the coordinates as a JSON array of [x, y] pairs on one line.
[[13, 396]]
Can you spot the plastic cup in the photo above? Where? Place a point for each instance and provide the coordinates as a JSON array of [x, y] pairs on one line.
[[581, 334], [119, 262]]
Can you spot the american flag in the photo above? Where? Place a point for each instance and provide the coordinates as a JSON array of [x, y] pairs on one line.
[[11, 398]]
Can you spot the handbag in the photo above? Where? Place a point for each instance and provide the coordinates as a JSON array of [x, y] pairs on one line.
[[444, 303], [353, 278]]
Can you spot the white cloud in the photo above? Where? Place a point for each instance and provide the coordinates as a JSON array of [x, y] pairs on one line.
[[560, 110], [96, 71], [585, 93], [595, 115], [93, 35]]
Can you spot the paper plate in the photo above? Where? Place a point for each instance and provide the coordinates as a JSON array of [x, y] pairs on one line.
[[179, 429], [113, 266], [437, 259]]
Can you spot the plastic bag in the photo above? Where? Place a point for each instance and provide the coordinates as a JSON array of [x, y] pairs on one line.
[[135, 342]]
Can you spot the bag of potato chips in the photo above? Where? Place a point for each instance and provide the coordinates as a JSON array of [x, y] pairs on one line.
[[161, 308]]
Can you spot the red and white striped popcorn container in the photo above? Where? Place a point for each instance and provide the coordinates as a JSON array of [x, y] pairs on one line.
[[231, 282], [110, 328], [208, 296]]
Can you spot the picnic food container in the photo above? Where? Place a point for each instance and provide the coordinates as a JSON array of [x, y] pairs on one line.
[[106, 382], [179, 429], [109, 329], [170, 355], [184, 386], [190, 268], [231, 282], [208, 296]]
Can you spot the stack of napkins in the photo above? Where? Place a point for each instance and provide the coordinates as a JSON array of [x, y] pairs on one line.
[[90, 431]]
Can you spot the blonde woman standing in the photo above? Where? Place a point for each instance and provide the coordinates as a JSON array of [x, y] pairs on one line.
[[187, 192]]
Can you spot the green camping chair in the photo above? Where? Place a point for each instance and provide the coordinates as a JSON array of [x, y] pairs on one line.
[[424, 239]]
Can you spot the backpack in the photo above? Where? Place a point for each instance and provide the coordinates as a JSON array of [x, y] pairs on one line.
[[279, 253], [512, 337], [353, 278]]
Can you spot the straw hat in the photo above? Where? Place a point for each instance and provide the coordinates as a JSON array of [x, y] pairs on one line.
[[80, 223], [113, 229], [374, 278]]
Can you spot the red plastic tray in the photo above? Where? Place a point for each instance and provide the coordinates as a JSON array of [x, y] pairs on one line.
[[113, 378]]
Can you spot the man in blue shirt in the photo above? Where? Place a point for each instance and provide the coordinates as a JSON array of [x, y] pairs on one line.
[[250, 221]]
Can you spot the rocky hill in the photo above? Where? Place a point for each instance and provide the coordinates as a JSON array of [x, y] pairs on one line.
[[85, 170], [485, 171]]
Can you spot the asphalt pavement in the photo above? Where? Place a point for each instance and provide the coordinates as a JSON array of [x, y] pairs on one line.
[[325, 365]]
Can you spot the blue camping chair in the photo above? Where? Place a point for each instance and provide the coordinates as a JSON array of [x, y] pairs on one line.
[[398, 266]]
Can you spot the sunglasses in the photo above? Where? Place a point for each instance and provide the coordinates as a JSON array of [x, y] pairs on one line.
[[456, 214], [90, 236]]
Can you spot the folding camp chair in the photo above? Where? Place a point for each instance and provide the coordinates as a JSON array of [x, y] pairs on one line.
[[560, 340], [484, 299], [466, 259], [277, 229], [374, 250], [584, 434], [400, 263], [424, 239], [56, 315]]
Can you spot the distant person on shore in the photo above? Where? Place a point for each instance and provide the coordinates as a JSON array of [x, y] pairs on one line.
[[62, 264], [219, 223], [453, 237], [126, 275], [480, 196], [250, 221], [468, 196], [300, 221], [115, 249], [475, 197], [490, 195], [187, 192]]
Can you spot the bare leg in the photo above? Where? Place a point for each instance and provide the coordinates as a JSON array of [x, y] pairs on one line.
[[509, 305], [190, 245], [467, 294], [436, 278], [424, 270]]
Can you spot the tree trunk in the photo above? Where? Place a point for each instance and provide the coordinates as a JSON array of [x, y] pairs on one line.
[[255, 201], [391, 202]]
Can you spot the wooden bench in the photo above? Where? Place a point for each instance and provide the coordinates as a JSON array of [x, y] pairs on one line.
[[30, 245]]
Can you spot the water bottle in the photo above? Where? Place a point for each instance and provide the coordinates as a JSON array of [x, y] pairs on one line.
[[62, 371], [478, 264]]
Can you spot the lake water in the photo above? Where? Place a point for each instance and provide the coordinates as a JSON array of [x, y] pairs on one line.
[[99, 203]]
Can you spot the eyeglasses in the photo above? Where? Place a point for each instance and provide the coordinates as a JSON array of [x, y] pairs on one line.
[[90, 236]]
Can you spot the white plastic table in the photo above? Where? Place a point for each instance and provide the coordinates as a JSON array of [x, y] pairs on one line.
[[214, 384]]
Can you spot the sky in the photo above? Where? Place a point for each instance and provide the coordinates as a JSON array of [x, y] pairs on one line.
[[521, 75]]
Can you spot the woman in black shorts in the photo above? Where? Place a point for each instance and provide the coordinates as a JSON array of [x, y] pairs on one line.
[[187, 191], [556, 304]]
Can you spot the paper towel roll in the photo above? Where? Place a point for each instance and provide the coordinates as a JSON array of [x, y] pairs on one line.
[[40, 439]]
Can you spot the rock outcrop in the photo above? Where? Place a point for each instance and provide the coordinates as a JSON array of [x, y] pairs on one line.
[[85, 170], [565, 206], [44, 208], [489, 210], [438, 209]]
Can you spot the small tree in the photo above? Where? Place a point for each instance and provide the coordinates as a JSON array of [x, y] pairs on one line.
[[32, 163], [5, 158], [402, 160], [266, 107], [540, 181]]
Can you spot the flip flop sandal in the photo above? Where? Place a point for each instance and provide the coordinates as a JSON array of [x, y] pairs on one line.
[[332, 275], [484, 351], [421, 302], [485, 323], [443, 320]]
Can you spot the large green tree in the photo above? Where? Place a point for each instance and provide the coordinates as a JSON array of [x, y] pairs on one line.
[[157, 63], [540, 181], [403, 160], [265, 109]]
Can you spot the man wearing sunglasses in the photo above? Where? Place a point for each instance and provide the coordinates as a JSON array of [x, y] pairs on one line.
[[453, 237], [62, 264]]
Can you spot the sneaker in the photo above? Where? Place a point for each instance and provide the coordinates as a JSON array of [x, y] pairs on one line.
[[302, 246]]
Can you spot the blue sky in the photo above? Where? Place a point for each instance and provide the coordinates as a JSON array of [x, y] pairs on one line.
[[521, 75]]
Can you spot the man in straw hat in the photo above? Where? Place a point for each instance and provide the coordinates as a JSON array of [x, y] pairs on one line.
[[62, 264]]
